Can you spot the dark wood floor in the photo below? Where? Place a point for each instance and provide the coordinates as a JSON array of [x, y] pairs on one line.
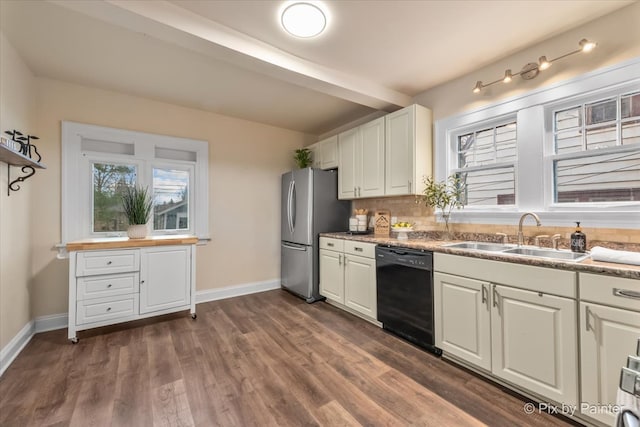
[[266, 359]]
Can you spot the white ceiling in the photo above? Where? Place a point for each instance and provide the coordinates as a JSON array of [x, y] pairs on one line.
[[233, 58]]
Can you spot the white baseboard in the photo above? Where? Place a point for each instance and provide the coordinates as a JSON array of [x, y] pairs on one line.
[[60, 321], [15, 346], [51, 322], [236, 290]]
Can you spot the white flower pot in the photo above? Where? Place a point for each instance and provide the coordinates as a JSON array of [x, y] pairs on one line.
[[137, 231]]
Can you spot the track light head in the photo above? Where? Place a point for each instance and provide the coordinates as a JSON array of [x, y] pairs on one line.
[[587, 45], [543, 64]]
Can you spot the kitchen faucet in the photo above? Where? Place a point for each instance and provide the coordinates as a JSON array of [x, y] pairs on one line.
[[520, 235]]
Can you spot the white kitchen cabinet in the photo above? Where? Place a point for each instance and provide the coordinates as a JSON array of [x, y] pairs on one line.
[[325, 153], [408, 150], [348, 164], [609, 330], [534, 342], [108, 286], [348, 275], [463, 318], [332, 275], [517, 322], [164, 278], [370, 181]]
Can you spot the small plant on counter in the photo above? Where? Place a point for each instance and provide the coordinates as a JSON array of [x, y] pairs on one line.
[[303, 158], [444, 196], [137, 205]]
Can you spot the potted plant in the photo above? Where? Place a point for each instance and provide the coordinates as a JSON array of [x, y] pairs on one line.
[[303, 157], [137, 205], [444, 196]]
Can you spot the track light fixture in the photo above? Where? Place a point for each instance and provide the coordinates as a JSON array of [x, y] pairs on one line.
[[532, 69]]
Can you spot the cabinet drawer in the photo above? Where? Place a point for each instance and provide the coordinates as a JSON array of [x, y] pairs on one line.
[[107, 285], [608, 290], [107, 262], [108, 308], [332, 244], [367, 250]]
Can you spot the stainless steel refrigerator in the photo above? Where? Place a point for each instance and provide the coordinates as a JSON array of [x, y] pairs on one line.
[[310, 206]]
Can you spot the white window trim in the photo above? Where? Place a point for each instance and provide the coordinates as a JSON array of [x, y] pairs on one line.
[[75, 209], [532, 128]]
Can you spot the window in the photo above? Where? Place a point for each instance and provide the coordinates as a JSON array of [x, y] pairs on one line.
[[486, 165], [597, 156], [569, 152], [99, 163]]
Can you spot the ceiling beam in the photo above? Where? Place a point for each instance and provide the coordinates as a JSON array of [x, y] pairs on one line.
[[176, 25]]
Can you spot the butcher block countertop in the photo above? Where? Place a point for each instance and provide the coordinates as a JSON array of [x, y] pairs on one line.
[[586, 266], [125, 242]]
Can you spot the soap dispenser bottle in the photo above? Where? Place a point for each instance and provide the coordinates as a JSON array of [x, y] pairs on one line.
[[578, 240]]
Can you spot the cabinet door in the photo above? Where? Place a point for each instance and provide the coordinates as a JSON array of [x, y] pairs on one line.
[[400, 138], [165, 274], [347, 164], [316, 155], [534, 342], [372, 159], [608, 335], [360, 285], [463, 318], [329, 150], [332, 275]]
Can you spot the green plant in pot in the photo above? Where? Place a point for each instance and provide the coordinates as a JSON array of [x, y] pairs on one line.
[[137, 205], [303, 157], [444, 196]]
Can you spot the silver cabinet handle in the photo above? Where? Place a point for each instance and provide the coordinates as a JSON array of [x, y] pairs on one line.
[[359, 193], [108, 308], [409, 186], [142, 282], [626, 293], [358, 249], [355, 191], [330, 245], [109, 285], [586, 318], [484, 293], [495, 297], [339, 259], [109, 262]]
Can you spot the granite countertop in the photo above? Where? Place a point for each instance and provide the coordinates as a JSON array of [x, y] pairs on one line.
[[586, 266]]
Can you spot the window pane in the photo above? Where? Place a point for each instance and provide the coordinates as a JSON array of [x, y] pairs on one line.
[[569, 141], [601, 112], [631, 132], [170, 199], [487, 146], [506, 142], [568, 119], [631, 105], [601, 137], [598, 178], [109, 181], [489, 187]]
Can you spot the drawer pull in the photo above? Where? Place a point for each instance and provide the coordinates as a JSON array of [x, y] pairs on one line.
[[358, 249], [109, 262], [625, 293], [330, 244], [586, 318], [109, 285], [108, 308], [141, 282]]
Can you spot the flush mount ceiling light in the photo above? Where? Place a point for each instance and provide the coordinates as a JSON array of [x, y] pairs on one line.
[[302, 19], [532, 69]]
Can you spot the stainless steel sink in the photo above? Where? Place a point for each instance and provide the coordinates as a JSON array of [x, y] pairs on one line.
[[547, 253], [479, 246]]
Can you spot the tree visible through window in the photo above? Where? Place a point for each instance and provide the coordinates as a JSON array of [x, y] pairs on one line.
[[109, 181]]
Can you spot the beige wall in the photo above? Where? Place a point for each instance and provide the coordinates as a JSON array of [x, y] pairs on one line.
[[17, 111], [246, 160], [618, 37]]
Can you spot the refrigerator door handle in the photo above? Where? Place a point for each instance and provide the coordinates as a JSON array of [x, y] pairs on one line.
[[293, 206], [289, 207], [295, 248]]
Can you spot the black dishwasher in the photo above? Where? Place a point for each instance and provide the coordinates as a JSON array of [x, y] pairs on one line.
[[405, 294]]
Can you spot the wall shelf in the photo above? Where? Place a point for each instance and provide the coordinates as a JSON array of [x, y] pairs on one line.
[[13, 158]]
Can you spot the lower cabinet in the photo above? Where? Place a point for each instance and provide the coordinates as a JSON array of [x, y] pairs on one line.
[[114, 286], [512, 330], [609, 332], [348, 274]]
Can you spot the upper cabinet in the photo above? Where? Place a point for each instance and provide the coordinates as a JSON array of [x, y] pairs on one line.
[[361, 161], [325, 153], [408, 150], [385, 157]]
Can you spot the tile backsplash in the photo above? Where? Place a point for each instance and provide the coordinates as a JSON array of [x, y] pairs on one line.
[[406, 209]]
